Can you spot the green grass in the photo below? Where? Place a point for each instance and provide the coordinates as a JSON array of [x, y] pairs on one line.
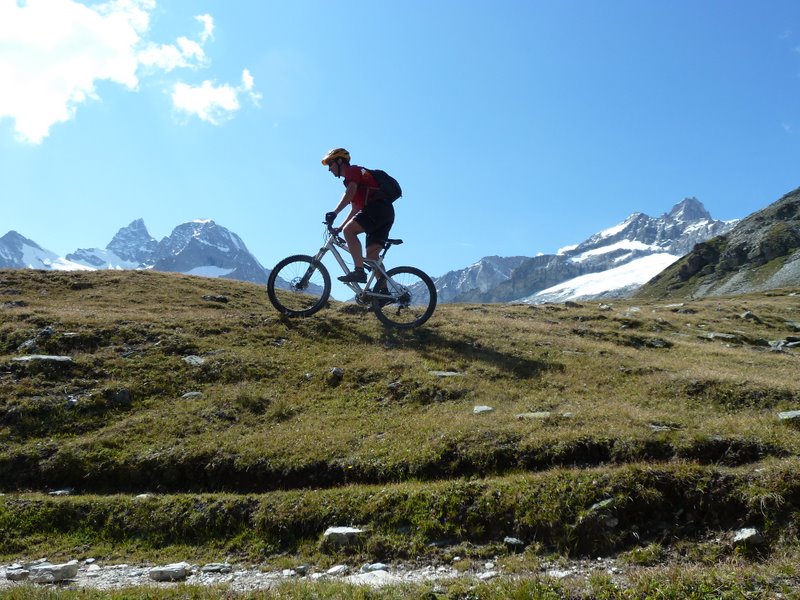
[[678, 431]]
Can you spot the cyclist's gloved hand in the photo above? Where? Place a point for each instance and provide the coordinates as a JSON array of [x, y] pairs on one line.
[[330, 217]]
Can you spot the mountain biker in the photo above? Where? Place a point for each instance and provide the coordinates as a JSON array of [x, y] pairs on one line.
[[373, 216]]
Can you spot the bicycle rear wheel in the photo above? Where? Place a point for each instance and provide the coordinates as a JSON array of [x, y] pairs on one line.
[[299, 286], [413, 302]]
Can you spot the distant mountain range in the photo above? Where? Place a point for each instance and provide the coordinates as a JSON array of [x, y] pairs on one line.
[[694, 253], [611, 263], [197, 248]]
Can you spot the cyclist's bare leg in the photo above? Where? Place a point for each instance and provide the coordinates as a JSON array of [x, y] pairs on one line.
[[373, 250], [351, 231]]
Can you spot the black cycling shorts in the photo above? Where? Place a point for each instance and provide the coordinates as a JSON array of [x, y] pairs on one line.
[[376, 219]]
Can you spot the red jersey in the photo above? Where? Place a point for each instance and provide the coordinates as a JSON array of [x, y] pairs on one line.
[[365, 182]]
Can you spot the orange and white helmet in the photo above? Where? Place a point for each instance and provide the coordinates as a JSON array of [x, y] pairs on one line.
[[334, 154]]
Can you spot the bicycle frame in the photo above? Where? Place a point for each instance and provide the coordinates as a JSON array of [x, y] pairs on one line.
[[334, 245]]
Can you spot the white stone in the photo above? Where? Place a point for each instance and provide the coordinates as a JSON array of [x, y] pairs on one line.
[[171, 572], [369, 568], [18, 574], [42, 358], [373, 579], [535, 415], [558, 573], [337, 570], [748, 535], [446, 373], [342, 536], [482, 409], [47, 573], [216, 568], [790, 415]]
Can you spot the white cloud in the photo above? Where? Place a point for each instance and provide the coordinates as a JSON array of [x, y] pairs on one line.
[[213, 103], [210, 102], [208, 27], [54, 52]]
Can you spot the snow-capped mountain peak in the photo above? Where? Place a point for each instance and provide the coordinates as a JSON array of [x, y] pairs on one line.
[[614, 261], [133, 243], [689, 210]]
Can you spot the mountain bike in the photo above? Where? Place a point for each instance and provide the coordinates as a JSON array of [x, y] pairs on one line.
[[402, 297]]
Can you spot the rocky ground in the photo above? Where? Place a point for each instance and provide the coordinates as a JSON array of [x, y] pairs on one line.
[[90, 574]]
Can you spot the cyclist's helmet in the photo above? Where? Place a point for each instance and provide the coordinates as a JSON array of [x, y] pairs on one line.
[[334, 154]]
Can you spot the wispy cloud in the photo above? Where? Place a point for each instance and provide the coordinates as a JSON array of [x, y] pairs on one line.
[[54, 52]]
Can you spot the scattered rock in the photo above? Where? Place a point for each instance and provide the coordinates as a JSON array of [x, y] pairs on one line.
[[64, 492], [540, 416], [657, 343], [558, 573], [487, 575], [749, 536], [335, 376], [337, 570], [482, 409], [216, 568], [214, 298], [790, 416], [750, 317], [192, 395], [342, 536], [374, 567], [172, 572], [725, 337], [514, 544], [17, 573], [445, 373], [374, 579], [14, 304], [194, 361], [658, 427], [48, 573], [30, 358]]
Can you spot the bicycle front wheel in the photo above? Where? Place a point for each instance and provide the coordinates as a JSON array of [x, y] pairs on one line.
[[413, 298], [299, 286]]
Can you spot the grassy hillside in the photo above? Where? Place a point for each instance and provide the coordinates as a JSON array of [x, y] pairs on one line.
[[637, 430]]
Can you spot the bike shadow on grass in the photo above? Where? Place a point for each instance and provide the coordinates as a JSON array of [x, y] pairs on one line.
[[426, 341], [434, 346]]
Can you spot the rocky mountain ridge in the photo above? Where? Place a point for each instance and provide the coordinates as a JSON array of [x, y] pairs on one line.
[[200, 247], [762, 252]]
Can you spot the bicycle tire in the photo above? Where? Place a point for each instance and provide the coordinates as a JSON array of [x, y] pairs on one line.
[[415, 306], [306, 286]]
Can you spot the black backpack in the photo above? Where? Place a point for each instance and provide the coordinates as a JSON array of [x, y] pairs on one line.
[[388, 188]]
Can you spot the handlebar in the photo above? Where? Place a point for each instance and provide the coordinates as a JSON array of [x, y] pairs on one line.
[[333, 231]]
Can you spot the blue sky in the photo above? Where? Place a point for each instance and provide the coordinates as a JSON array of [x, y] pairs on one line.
[[515, 127]]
